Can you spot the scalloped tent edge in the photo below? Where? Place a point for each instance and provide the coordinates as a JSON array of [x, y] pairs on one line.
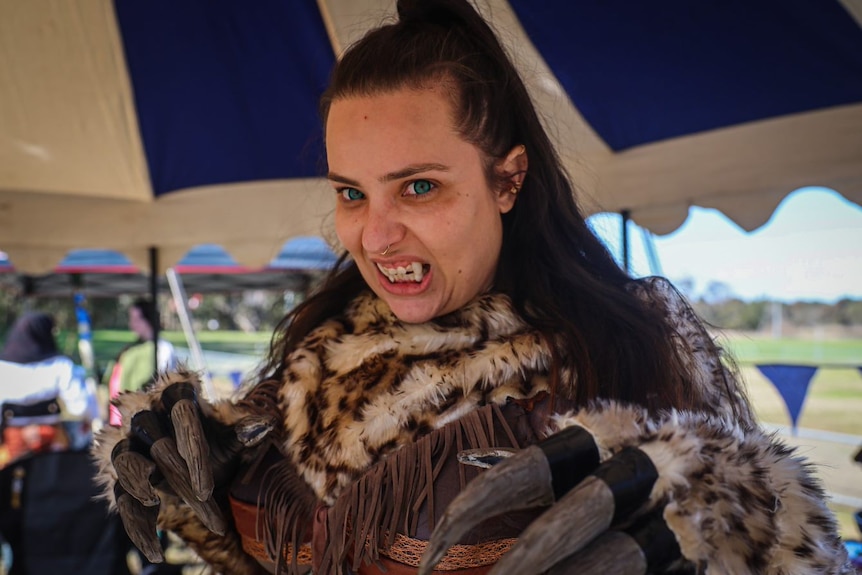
[[205, 269], [81, 165]]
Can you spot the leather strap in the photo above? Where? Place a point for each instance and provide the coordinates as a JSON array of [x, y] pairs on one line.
[[386, 566], [245, 519]]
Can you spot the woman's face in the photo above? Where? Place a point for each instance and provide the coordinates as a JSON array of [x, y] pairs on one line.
[[407, 181], [138, 324]]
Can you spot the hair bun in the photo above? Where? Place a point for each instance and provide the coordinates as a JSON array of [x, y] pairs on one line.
[[444, 13]]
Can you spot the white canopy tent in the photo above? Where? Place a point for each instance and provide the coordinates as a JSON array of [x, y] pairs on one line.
[[92, 125]]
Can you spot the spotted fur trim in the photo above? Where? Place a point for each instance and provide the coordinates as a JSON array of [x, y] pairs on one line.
[[366, 384], [714, 386], [738, 500], [363, 385]]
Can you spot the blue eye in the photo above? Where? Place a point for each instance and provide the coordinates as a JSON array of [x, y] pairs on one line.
[[420, 187], [351, 194]]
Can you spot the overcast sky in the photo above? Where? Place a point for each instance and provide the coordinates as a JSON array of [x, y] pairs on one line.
[[811, 249]]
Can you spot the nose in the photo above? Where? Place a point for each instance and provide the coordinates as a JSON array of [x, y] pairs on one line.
[[383, 226]]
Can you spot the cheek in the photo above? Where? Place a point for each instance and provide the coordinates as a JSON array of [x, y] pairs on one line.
[[346, 230], [486, 241], [472, 246]]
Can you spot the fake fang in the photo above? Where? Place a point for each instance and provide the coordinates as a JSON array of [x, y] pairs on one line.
[[412, 273]]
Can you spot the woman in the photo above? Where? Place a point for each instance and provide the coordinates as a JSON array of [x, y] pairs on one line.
[[133, 368], [474, 309], [46, 402]]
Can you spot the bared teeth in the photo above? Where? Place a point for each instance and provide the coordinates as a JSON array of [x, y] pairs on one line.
[[413, 272]]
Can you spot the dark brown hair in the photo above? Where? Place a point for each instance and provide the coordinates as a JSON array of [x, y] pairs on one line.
[[149, 312], [560, 277], [31, 339]]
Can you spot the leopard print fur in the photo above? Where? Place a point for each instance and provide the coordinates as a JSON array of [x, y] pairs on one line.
[[364, 384]]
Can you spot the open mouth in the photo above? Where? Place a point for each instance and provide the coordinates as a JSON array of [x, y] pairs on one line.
[[413, 272]]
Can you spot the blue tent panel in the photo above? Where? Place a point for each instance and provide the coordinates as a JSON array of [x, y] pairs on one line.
[[94, 260], [206, 268], [714, 63], [305, 253], [226, 91]]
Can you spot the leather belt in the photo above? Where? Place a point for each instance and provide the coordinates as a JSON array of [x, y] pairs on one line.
[[386, 566], [245, 519], [402, 558]]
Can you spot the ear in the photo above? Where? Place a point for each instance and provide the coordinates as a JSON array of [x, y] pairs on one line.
[[513, 169]]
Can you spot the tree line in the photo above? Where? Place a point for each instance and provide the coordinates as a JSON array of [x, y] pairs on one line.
[[257, 311]]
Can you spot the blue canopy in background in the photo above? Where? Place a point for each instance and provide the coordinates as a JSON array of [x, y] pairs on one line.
[[136, 125], [204, 269]]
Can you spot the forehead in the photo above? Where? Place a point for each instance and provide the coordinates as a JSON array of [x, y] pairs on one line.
[[396, 127], [405, 109]]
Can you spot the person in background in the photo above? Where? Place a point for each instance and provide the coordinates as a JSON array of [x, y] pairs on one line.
[[49, 520], [47, 403], [133, 368]]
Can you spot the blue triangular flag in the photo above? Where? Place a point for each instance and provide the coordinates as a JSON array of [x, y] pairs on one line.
[[792, 382]]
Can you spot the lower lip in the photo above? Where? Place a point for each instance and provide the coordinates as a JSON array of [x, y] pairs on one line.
[[404, 288]]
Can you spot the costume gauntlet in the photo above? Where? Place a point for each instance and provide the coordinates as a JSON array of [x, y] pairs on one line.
[[173, 460], [734, 500]]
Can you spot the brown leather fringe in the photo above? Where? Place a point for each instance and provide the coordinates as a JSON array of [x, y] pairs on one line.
[[387, 499], [287, 505]]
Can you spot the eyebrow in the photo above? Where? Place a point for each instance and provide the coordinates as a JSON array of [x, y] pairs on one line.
[[392, 176]]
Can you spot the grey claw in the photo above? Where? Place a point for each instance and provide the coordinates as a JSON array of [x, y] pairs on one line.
[[575, 520], [534, 477], [618, 489], [646, 546], [522, 481], [133, 473], [174, 468], [614, 552], [193, 447], [140, 524]]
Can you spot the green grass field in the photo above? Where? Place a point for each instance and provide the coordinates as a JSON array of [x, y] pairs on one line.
[[107, 344], [754, 349], [834, 400], [833, 403]]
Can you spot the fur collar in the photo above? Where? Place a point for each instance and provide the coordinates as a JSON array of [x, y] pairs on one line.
[[364, 384]]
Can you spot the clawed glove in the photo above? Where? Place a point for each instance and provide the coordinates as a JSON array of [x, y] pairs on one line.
[[629, 494], [174, 449], [562, 472]]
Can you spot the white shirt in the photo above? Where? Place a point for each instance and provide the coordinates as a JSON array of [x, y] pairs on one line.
[[56, 378]]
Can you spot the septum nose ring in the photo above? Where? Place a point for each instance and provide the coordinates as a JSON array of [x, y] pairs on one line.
[[386, 251]]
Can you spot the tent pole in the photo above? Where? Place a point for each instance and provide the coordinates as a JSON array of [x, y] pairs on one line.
[[28, 287], [154, 294], [181, 301], [626, 215]]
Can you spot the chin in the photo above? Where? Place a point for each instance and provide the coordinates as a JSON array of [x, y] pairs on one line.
[[408, 314], [411, 311]]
